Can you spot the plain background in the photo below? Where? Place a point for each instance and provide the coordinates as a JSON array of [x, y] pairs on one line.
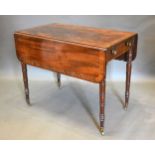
[[143, 67]]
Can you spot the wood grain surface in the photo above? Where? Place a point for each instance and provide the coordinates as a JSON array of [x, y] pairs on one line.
[[74, 34], [81, 62]]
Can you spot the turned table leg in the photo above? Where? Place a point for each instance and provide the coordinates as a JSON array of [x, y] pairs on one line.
[[128, 77], [102, 105], [25, 79], [59, 79]]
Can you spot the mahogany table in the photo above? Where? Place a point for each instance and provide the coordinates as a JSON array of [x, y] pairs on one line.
[[77, 51]]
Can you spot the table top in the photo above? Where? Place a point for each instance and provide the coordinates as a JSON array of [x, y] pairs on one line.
[[79, 35]]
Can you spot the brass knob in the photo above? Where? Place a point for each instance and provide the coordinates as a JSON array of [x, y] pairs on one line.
[[114, 52], [128, 43]]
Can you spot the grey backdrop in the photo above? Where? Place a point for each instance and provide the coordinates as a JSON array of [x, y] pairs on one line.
[[143, 66]]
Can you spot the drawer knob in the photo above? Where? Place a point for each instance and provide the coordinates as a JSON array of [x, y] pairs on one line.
[[114, 52], [129, 44]]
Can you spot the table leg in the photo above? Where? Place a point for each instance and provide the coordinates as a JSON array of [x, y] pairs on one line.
[[25, 79], [102, 105], [59, 79], [128, 77]]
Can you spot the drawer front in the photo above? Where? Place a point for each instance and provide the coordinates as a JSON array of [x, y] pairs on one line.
[[117, 50], [81, 62]]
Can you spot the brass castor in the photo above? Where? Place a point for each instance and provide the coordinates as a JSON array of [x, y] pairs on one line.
[[102, 131]]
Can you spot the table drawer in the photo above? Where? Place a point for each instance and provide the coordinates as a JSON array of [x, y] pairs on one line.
[[77, 61], [117, 50]]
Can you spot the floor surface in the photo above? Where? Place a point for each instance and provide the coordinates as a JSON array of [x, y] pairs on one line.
[[72, 111]]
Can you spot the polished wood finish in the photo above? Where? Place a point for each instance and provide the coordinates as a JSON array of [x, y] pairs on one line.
[[102, 103], [74, 60], [25, 79], [77, 51], [78, 35], [128, 73]]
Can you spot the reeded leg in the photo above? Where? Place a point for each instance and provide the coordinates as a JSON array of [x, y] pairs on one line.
[[102, 104], [25, 79], [59, 79], [128, 77]]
